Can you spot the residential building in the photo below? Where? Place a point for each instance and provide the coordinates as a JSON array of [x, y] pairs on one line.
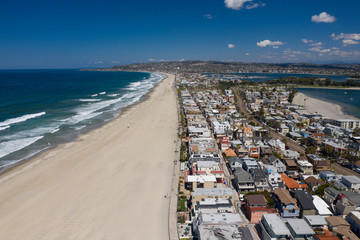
[[255, 207], [351, 182], [305, 167], [285, 203], [300, 229], [200, 181], [317, 222], [260, 179], [214, 205], [305, 201], [327, 175], [280, 166], [321, 206], [200, 194], [273, 228], [346, 123], [243, 181], [353, 218]]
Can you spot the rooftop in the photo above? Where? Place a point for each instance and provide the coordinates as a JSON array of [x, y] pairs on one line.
[[299, 226], [276, 224], [220, 218], [213, 192], [315, 220]]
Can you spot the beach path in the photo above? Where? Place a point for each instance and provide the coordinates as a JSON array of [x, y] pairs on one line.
[[110, 184]]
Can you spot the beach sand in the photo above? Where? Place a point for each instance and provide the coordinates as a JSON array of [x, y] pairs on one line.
[[110, 184], [324, 108]]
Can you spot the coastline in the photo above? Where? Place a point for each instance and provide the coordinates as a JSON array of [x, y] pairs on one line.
[[314, 105], [108, 177]]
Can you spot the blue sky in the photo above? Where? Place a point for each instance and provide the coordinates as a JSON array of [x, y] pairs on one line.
[[72, 34]]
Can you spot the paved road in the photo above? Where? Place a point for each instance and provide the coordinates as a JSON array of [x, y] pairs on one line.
[[290, 143], [343, 170]]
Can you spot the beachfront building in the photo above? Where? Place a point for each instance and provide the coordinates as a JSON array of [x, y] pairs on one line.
[[285, 203], [273, 228], [346, 123], [201, 193], [198, 131], [208, 168], [214, 205], [200, 181]]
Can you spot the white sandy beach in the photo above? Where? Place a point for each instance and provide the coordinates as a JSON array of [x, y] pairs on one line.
[[110, 184], [314, 105]]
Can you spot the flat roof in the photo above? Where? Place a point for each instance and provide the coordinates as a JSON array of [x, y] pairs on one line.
[[220, 218], [276, 224], [213, 192], [352, 179], [201, 178], [225, 232], [315, 220], [299, 226]]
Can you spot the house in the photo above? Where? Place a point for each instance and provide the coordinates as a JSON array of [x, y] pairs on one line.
[[330, 195], [255, 207], [327, 175], [285, 203], [292, 154], [249, 163], [313, 182], [260, 179], [305, 167], [273, 228], [254, 151], [274, 180], [208, 168], [321, 207], [214, 205], [292, 184], [351, 182], [316, 221], [202, 193], [319, 164], [305, 201], [353, 218], [291, 168], [243, 181], [200, 181], [280, 166], [340, 228], [212, 232], [300, 229], [346, 202]]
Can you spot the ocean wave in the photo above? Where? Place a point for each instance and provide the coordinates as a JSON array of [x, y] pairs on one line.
[[3, 128], [15, 145], [102, 93], [113, 95], [79, 127], [35, 132], [89, 100], [55, 130], [94, 95], [81, 117], [21, 119]]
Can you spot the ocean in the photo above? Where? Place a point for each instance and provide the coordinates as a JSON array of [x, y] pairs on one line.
[[40, 109], [349, 100]]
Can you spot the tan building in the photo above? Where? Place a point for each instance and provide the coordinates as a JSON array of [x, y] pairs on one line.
[[200, 194]]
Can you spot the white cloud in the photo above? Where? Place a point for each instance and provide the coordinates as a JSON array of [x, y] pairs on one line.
[[247, 54], [353, 36], [251, 6], [231, 45], [236, 4], [304, 40], [345, 53], [115, 62], [320, 49], [265, 43], [323, 17], [349, 42], [348, 39], [208, 16]]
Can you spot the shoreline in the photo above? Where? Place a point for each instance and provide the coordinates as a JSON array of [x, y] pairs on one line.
[[104, 177], [335, 88], [20, 162], [327, 109]]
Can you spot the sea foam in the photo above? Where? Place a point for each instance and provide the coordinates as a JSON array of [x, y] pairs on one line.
[[16, 145], [21, 119]]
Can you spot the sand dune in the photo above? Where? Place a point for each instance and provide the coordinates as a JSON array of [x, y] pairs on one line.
[[110, 184]]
